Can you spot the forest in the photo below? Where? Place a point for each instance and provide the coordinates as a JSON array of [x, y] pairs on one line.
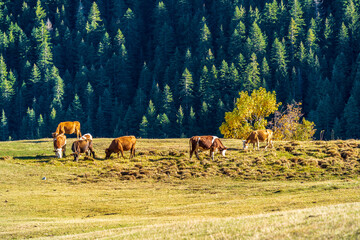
[[172, 68]]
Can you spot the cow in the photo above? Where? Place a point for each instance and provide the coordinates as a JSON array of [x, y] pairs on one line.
[[205, 143], [258, 136], [121, 144], [89, 137], [68, 128], [82, 146], [60, 145]]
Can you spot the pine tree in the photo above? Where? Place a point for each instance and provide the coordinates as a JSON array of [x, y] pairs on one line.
[[351, 116], [186, 88], [180, 123], [163, 124], [144, 127], [205, 119], [257, 43], [94, 26], [191, 123], [168, 103], [280, 66], [40, 130], [252, 78], [4, 128], [151, 118], [7, 81], [75, 111], [80, 18]]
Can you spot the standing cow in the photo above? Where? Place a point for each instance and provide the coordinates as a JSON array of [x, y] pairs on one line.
[[121, 144], [205, 143], [82, 146], [258, 136], [60, 145], [68, 128]]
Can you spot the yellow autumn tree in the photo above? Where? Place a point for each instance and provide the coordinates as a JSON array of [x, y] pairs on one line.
[[249, 114], [291, 125]]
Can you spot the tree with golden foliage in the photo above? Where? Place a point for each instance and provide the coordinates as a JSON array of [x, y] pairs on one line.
[[249, 114], [286, 125]]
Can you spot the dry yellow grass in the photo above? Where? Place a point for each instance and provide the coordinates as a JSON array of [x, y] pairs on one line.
[[175, 199]]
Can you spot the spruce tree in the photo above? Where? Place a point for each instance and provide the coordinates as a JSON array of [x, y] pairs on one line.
[[180, 123], [252, 75], [144, 128], [4, 128], [351, 116], [186, 88]]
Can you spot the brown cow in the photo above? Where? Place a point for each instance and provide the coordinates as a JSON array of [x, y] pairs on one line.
[[82, 146], [89, 137], [60, 145], [205, 143], [121, 144], [258, 136], [68, 128]]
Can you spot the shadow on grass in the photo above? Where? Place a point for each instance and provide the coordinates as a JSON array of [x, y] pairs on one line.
[[37, 141], [39, 158]]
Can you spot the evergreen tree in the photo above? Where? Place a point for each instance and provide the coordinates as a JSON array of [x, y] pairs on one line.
[[186, 88], [4, 128], [144, 127], [256, 41], [351, 116], [94, 26], [252, 79], [151, 118], [180, 123]]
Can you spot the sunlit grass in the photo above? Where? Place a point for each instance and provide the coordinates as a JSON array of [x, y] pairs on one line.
[[169, 196]]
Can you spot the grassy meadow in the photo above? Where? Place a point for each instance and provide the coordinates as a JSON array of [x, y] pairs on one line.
[[298, 190]]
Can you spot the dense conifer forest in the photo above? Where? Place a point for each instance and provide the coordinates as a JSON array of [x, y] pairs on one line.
[[172, 68]]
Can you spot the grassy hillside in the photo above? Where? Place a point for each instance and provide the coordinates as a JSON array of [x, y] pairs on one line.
[[169, 158], [166, 195]]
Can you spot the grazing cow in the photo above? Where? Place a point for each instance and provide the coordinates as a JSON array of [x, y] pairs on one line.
[[60, 145], [258, 136], [205, 143], [121, 144], [68, 128], [86, 136], [89, 137], [82, 146]]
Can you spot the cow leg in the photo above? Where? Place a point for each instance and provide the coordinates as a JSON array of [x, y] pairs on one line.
[[64, 149], [91, 150], [133, 152], [122, 153], [212, 153], [191, 153], [258, 145], [197, 154]]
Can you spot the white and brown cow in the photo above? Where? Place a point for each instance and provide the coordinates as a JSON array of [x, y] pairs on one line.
[[82, 146], [89, 137], [60, 145], [86, 136], [211, 143], [258, 136]]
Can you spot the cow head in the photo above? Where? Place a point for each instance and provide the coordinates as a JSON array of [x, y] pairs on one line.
[[54, 135], [223, 151], [245, 145], [58, 152], [108, 153]]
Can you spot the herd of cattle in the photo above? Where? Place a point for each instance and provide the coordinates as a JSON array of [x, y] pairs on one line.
[[127, 143]]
